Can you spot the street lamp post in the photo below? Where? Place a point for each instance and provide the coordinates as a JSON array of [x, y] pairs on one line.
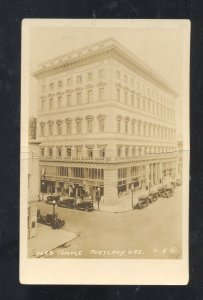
[[98, 197], [54, 205], [132, 189]]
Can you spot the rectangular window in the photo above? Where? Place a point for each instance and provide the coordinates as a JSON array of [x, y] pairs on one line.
[[126, 127], [101, 94], [118, 95], [50, 129], [90, 75], [50, 152], [68, 152], [51, 86], [89, 125], [69, 81], [43, 89], [42, 130], [79, 98], [59, 102], [69, 100], [50, 103], [118, 125], [42, 152], [59, 128], [133, 128], [117, 74], [78, 126], [60, 84], [119, 151], [78, 151], [90, 152], [79, 79], [101, 74], [101, 125], [59, 152], [90, 96], [132, 100], [43, 104], [102, 152], [125, 97], [68, 128]]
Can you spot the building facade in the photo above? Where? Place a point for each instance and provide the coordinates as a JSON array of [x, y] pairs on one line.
[[105, 123]]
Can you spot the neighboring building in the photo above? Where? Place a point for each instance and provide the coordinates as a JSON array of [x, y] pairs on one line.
[[32, 127], [105, 121], [180, 160], [33, 166]]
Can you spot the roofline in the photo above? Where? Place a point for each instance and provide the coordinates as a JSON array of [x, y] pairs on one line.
[[123, 51]]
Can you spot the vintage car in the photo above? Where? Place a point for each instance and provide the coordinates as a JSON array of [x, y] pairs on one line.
[[161, 191], [143, 201], [52, 198], [153, 196], [68, 202], [170, 190], [51, 220], [166, 192], [84, 204]]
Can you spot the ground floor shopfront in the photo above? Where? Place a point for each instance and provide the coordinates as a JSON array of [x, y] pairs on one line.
[[110, 180]]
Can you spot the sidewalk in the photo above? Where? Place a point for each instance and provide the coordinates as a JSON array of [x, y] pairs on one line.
[[124, 204], [48, 239]]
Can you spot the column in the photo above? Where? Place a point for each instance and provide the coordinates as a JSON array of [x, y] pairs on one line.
[[110, 186]]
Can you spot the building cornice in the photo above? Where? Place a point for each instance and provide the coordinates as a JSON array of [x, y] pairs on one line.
[[111, 48]]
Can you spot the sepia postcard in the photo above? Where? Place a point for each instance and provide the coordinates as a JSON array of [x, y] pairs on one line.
[[104, 152]]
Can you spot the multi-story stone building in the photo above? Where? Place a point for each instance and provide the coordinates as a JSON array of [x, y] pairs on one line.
[[105, 121]]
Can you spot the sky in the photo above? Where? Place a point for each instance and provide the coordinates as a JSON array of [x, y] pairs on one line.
[[160, 48]]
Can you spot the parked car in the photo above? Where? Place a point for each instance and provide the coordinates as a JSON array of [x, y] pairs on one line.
[[153, 196], [51, 220], [84, 204], [143, 201], [170, 190], [161, 191], [68, 202], [52, 198]]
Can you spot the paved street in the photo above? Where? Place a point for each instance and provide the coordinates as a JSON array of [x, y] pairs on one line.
[[152, 232]]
